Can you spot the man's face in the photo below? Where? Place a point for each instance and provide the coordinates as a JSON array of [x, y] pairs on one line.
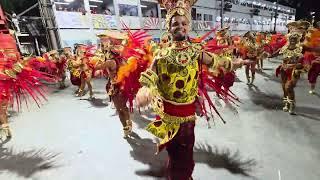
[[56, 55], [106, 44], [67, 51], [179, 28], [80, 51], [293, 40]]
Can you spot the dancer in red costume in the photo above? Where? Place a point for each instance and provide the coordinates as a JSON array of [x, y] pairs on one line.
[[227, 75], [73, 67], [172, 86], [312, 54], [61, 63], [81, 69], [57, 66], [109, 55], [293, 64], [223, 75], [261, 39], [250, 53], [65, 58], [274, 44], [18, 80], [125, 55]]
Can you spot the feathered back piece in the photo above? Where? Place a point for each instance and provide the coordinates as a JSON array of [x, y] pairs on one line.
[[138, 56], [313, 38], [298, 26], [207, 82], [18, 81]]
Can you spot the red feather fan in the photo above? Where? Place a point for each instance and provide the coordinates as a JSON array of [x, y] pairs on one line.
[[138, 57], [20, 85]]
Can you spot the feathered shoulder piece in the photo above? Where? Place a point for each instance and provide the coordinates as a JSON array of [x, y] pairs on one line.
[[313, 38], [18, 81], [137, 53]]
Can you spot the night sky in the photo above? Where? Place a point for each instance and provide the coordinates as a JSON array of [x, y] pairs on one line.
[[304, 7]]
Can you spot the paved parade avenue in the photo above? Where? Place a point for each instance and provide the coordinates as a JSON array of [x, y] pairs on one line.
[[71, 138]]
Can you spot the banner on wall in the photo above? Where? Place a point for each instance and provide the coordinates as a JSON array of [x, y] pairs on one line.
[[202, 25], [130, 21], [151, 23], [71, 43], [101, 21], [163, 24], [72, 20], [128, 2], [69, 37]]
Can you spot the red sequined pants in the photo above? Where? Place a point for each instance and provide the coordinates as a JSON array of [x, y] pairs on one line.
[[180, 148], [314, 73]]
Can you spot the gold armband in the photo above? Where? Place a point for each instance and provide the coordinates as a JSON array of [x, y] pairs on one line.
[[149, 78], [17, 68], [10, 73]]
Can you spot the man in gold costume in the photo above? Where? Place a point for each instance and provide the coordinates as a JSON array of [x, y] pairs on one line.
[[171, 86]]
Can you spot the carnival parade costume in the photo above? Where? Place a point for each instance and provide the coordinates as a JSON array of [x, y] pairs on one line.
[[73, 67], [110, 61], [125, 55], [293, 64], [61, 64], [223, 75], [19, 81], [178, 82], [274, 43], [66, 59], [82, 69], [250, 53], [312, 55]]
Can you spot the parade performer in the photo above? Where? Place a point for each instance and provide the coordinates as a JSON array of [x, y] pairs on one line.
[[81, 69], [66, 59], [312, 54], [274, 43], [171, 86], [223, 75], [18, 80], [110, 44], [61, 63], [290, 69], [125, 56], [56, 66], [73, 64], [262, 41], [250, 53]]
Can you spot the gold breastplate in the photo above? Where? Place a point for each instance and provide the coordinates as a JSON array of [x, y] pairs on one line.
[[178, 71], [291, 56]]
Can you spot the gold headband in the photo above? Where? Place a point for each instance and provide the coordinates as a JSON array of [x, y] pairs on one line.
[[177, 7], [295, 35]]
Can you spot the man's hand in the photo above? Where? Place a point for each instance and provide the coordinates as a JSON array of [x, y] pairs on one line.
[[143, 97]]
